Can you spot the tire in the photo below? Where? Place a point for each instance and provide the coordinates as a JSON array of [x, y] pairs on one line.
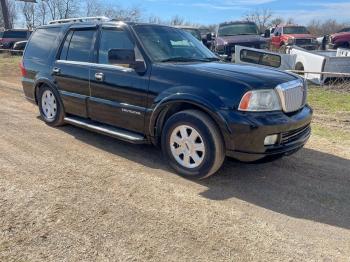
[[50, 106], [182, 154]]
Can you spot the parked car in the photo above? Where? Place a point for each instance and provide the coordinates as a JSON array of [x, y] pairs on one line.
[[241, 33], [9, 37], [338, 40], [20, 46], [287, 35], [156, 84]]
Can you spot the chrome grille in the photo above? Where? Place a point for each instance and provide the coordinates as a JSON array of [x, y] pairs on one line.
[[293, 95], [295, 135], [302, 41]]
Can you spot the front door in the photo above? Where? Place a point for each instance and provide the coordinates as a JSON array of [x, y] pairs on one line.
[[118, 92], [71, 70]]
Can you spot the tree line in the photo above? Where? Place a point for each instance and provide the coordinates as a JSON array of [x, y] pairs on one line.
[[33, 15]]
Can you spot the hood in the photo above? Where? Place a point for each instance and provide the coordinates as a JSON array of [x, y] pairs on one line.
[[237, 39], [301, 36], [252, 77], [341, 35]]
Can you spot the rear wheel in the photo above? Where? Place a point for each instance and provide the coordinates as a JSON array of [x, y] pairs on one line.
[[193, 144], [50, 106]]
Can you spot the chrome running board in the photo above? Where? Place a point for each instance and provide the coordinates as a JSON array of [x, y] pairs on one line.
[[106, 130]]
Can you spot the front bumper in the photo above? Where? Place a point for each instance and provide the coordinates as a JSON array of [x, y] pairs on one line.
[[248, 130]]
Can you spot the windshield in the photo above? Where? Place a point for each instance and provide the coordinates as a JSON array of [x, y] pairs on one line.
[[15, 34], [295, 30], [195, 32], [238, 29], [165, 44], [344, 30]]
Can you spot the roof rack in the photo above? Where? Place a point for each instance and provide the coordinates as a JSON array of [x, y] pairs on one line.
[[80, 19]]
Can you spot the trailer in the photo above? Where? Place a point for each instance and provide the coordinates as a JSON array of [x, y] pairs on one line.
[[316, 66]]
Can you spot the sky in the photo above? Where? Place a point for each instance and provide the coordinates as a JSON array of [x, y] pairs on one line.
[[216, 11]]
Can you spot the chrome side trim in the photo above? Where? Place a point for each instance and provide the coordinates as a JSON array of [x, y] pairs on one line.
[[95, 65]]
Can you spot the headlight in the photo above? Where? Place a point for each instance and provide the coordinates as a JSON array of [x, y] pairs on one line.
[[260, 100], [291, 41]]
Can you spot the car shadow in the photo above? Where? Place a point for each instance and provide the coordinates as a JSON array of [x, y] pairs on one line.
[[309, 185]]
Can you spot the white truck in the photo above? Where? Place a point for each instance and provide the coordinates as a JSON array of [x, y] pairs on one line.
[[316, 66]]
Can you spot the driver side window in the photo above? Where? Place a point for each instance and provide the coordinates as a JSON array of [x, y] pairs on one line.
[[116, 48]]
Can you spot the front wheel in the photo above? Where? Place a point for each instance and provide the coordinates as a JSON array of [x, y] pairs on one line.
[[193, 145], [50, 107]]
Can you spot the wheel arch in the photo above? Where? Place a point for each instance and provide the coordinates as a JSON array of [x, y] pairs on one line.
[[169, 107], [42, 82]]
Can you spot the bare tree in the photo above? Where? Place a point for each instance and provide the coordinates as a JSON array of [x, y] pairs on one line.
[[261, 17], [276, 21], [28, 10], [155, 20], [177, 20], [327, 27], [12, 13], [42, 13], [61, 9]]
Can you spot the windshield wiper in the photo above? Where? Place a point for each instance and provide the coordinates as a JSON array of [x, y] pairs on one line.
[[187, 59]]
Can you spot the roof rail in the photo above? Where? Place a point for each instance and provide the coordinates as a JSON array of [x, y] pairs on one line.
[[79, 20]]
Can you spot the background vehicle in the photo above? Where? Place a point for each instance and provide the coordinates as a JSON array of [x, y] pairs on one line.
[[287, 35], [9, 37], [296, 58], [156, 84], [192, 30], [341, 40], [241, 33]]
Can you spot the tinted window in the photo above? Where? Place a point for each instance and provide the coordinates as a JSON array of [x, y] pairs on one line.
[[41, 43], [66, 46], [1, 34], [238, 29], [80, 46], [260, 58], [15, 34], [113, 40], [295, 30]]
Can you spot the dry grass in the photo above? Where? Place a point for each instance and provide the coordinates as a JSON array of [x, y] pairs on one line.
[[9, 68]]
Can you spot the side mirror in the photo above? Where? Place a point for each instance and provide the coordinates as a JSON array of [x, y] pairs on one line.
[[139, 66], [267, 33], [209, 37], [126, 58]]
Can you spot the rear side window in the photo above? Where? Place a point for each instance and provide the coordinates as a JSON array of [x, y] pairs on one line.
[[77, 46], [41, 43], [15, 34]]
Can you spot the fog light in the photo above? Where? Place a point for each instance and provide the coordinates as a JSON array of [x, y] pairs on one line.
[[270, 140]]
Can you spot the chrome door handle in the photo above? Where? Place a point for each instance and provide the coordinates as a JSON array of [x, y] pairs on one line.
[[99, 76], [56, 70]]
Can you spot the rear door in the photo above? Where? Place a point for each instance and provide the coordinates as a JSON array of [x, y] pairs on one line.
[[118, 92], [72, 69]]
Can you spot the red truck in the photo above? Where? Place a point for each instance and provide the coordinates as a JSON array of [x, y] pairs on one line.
[[341, 39], [286, 35]]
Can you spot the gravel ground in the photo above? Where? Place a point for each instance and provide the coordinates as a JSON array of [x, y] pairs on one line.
[[67, 194]]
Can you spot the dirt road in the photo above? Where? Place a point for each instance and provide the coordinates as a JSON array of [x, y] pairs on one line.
[[69, 194]]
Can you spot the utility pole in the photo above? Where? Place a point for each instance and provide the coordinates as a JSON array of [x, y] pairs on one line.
[[5, 14]]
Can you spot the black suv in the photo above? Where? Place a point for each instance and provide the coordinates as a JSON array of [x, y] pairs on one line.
[[146, 83]]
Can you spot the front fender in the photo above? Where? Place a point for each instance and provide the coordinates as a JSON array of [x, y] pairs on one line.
[[211, 107]]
